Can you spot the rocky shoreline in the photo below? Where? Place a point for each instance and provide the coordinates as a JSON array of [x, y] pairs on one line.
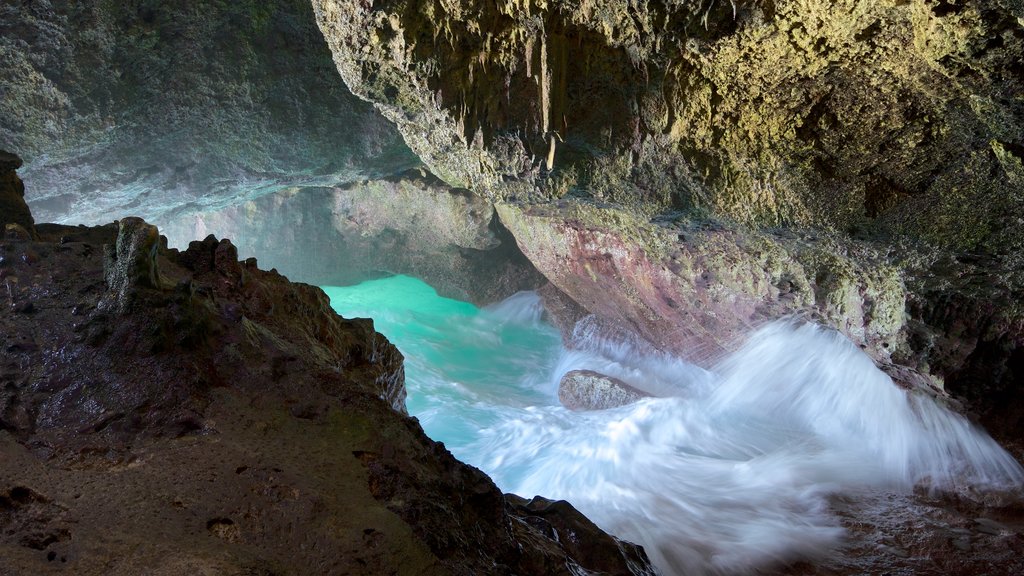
[[167, 412]]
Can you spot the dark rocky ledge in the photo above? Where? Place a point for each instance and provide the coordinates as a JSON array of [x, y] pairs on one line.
[[166, 412]]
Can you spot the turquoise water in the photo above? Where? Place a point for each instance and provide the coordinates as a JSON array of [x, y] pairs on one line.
[[466, 368], [721, 471]]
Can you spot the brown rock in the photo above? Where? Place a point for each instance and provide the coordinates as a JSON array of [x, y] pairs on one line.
[[227, 421], [13, 209]]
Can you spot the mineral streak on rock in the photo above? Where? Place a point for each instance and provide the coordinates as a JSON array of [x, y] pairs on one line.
[[589, 390]]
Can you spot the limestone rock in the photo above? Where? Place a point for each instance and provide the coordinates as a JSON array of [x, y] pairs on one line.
[[112, 122], [589, 390], [407, 224], [823, 113], [695, 289], [13, 209]]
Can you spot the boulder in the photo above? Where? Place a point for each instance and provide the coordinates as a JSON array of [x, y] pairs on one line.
[[589, 390]]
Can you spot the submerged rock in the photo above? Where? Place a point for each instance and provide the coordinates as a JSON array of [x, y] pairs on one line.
[[589, 390], [246, 427]]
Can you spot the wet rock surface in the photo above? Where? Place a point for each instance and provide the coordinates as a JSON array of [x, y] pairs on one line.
[[945, 322], [922, 534], [589, 390], [170, 412]]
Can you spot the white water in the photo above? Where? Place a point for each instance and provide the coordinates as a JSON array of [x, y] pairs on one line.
[[726, 471]]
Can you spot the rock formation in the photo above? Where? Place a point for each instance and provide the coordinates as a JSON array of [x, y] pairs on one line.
[[169, 412], [139, 109], [589, 390], [13, 209], [890, 115], [688, 170], [407, 224]]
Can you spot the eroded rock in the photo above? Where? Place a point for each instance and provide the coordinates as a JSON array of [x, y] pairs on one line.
[[696, 289], [410, 224], [135, 109], [14, 211], [247, 427], [589, 390], [897, 116]]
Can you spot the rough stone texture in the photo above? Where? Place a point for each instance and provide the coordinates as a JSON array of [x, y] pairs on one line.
[[13, 209], [966, 323], [897, 116], [696, 288], [808, 122], [130, 263], [141, 107], [409, 224], [226, 421], [589, 390]]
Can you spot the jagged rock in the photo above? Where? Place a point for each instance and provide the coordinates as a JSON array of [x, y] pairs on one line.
[[589, 390], [247, 427], [13, 210], [827, 113], [130, 263]]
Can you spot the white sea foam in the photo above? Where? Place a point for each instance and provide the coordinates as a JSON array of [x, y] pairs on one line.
[[726, 470], [733, 470]]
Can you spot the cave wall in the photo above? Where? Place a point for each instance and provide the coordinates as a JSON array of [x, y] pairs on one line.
[[411, 224], [891, 116], [142, 107], [686, 170]]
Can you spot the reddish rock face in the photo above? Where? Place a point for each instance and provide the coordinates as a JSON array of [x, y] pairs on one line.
[[696, 290], [166, 412]]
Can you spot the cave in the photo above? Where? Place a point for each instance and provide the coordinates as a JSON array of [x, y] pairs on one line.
[[587, 287]]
